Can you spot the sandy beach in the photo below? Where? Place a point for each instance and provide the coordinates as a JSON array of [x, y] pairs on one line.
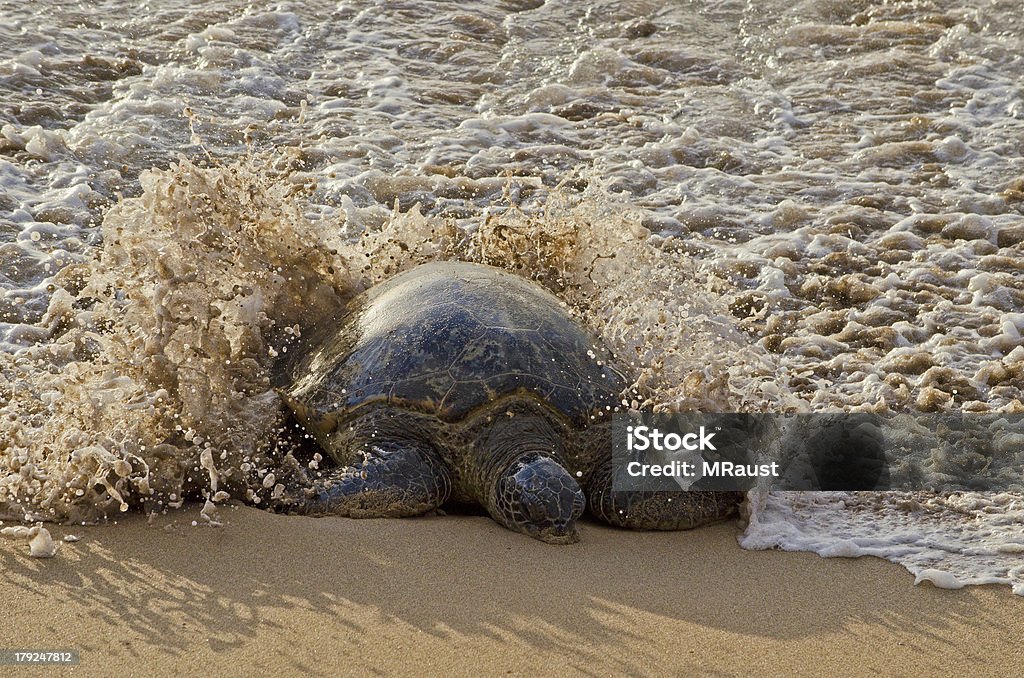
[[459, 595]]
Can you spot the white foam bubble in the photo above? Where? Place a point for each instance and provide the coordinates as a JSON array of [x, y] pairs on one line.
[[40, 542]]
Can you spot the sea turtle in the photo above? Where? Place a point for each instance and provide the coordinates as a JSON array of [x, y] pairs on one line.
[[462, 382]]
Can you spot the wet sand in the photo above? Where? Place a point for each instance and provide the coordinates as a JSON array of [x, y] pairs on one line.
[[458, 595]]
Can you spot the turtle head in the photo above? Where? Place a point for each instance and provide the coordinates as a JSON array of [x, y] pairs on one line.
[[538, 497]]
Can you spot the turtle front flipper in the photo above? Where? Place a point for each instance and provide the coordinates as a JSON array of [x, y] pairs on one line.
[[394, 480], [656, 510]]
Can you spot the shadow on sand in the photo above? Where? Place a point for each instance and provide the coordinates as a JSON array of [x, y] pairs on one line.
[[617, 597]]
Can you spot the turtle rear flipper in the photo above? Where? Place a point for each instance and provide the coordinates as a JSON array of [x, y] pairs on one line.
[[394, 480]]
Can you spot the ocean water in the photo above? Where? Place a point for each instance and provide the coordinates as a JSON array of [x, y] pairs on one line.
[[773, 206]]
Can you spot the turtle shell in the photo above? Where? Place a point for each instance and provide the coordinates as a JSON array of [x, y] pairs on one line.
[[448, 338]]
